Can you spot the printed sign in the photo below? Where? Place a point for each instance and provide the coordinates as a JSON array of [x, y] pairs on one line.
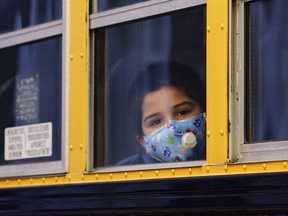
[[30, 141], [27, 99]]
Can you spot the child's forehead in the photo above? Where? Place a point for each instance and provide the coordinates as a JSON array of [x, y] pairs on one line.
[[166, 96]]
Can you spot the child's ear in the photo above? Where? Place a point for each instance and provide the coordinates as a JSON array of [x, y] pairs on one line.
[[141, 140]]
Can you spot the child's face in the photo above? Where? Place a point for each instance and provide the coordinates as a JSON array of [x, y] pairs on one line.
[[167, 103]]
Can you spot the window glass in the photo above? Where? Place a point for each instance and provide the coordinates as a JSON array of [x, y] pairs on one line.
[[266, 67], [104, 5], [18, 14], [30, 102], [165, 55]]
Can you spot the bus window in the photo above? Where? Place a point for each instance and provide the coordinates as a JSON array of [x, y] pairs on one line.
[[19, 14], [32, 88], [259, 91], [151, 74], [30, 102], [266, 89]]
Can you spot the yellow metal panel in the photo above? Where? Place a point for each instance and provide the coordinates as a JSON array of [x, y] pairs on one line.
[[78, 86], [217, 81], [192, 172]]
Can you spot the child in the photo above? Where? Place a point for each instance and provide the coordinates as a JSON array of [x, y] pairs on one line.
[[166, 104]]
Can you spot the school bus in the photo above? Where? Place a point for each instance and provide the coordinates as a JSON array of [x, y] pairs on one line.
[[67, 145]]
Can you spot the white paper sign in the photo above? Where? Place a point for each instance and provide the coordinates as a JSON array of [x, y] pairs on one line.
[[27, 99], [29, 141]]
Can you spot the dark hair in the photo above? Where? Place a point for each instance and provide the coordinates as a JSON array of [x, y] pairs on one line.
[[157, 76]]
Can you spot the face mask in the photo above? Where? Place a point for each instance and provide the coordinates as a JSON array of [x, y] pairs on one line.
[[178, 140]]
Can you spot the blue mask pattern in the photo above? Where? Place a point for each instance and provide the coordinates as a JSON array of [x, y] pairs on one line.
[[178, 140]]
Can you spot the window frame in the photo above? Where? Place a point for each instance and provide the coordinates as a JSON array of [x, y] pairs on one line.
[[33, 34], [138, 11], [111, 17], [239, 151]]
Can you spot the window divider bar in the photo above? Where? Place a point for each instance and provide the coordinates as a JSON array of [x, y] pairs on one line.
[[31, 34], [129, 13]]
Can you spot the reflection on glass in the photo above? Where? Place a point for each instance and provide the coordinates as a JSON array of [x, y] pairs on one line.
[[31, 94], [170, 49], [19, 14], [266, 70], [104, 5]]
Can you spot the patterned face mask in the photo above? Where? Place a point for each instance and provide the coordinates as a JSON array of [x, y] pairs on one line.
[[178, 140]]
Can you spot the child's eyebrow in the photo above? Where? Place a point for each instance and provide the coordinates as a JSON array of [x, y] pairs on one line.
[[191, 103], [150, 116]]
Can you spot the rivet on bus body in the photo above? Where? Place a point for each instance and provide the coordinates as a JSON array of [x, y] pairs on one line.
[[81, 146], [19, 181], [284, 164], [111, 175], [126, 174], [81, 54], [207, 169], [69, 177], [208, 29], [82, 177], [208, 133], [71, 147], [31, 181], [43, 180], [71, 57], [157, 172], [173, 171], [225, 168], [141, 174], [244, 167], [222, 25], [56, 179], [221, 132], [96, 176], [264, 166], [7, 182], [190, 171]]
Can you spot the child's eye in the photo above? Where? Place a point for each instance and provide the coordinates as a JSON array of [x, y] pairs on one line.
[[183, 112], [155, 122]]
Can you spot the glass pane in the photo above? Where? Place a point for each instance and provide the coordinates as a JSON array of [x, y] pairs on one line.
[[19, 14], [104, 5], [266, 70], [165, 53], [30, 102]]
